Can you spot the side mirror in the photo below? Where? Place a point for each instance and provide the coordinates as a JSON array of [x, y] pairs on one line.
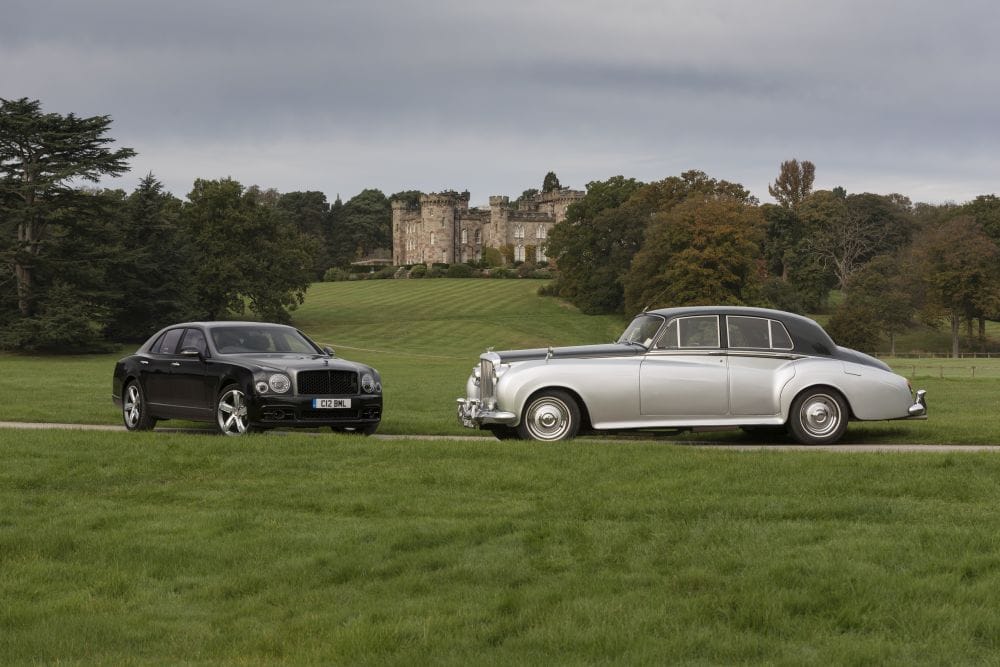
[[329, 350], [192, 352]]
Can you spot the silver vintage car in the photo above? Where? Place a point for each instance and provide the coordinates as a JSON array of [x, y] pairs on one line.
[[689, 368]]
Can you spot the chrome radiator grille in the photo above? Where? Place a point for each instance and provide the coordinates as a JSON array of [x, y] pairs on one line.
[[486, 382]]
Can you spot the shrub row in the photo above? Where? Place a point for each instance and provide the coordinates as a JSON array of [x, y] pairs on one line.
[[437, 270]]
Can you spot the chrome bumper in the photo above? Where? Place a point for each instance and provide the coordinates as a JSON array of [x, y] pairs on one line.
[[919, 409], [470, 415]]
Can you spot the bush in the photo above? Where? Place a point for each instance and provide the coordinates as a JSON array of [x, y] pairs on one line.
[[385, 273], [435, 272], [459, 271], [501, 273], [334, 275], [418, 271]]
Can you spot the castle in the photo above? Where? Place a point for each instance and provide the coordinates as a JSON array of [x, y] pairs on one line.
[[442, 227]]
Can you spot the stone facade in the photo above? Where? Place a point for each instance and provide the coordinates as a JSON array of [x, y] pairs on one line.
[[442, 228]]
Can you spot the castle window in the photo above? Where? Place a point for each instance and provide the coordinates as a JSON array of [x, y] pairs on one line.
[[479, 237], [519, 232], [465, 236], [519, 253], [444, 256], [432, 238], [541, 233]]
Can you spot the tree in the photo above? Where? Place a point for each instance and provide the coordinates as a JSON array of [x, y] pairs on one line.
[[41, 157], [551, 182], [705, 250], [958, 265], [310, 212], [844, 232], [363, 226], [881, 302], [150, 244], [245, 253], [595, 245], [794, 183]]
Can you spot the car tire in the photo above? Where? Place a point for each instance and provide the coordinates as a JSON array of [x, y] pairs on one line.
[[135, 412], [549, 416], [818, 417], [231, 412]]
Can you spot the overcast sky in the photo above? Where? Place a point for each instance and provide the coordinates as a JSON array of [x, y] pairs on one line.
[[883, 96]]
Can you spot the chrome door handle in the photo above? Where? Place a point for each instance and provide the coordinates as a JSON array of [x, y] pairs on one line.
[[175, 363], [144, 363]]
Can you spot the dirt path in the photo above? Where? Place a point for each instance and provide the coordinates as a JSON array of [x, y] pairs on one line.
[[845, 448]]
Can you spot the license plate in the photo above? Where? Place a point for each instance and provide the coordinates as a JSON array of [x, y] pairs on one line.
[[331, 403]]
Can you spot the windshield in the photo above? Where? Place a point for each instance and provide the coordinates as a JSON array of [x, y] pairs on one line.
[[642, 330], [244, 339]]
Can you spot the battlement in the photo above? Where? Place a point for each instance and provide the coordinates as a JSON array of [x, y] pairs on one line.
[[446, 198]]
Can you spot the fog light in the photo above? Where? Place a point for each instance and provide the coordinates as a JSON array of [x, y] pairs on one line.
[[261, 387]]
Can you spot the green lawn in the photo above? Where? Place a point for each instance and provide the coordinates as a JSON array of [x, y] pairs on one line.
[[425, 335], [167, 548]]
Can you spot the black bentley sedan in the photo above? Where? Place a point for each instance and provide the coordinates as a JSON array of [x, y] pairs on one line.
[[244, 377]]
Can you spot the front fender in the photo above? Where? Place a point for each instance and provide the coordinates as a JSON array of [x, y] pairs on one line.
[[609, 388]]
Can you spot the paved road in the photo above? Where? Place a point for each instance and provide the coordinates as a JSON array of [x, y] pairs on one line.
[[844, 448]]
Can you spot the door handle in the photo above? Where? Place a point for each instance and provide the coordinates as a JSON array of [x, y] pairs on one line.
[[175, 363], [144, 363]]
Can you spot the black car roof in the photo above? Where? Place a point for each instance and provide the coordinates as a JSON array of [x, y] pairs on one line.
[[808, 337]]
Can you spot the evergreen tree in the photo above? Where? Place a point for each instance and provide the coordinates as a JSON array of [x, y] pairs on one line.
[[41, 156]]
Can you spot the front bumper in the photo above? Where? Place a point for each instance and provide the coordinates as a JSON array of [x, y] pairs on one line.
[[298, 411], [919, 408], [471, 415]]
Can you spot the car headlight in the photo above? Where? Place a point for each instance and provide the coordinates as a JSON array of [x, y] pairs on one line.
[[369, 385], [279, 383]]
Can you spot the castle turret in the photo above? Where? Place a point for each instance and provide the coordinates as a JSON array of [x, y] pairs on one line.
[[499, 218]]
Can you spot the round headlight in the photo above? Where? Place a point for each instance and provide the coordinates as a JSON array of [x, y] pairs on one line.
[[261, 387], [279, 383], [368, 383]]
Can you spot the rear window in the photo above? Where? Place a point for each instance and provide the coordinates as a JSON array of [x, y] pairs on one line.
[[757, 333]]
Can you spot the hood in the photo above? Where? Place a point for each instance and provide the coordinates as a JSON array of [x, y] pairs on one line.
[[297, 362], [575, 352]]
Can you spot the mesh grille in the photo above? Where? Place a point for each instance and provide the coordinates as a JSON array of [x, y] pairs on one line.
[[322, 383]]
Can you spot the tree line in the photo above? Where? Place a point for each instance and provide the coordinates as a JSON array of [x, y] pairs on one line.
[[82, 266], [692, 239]]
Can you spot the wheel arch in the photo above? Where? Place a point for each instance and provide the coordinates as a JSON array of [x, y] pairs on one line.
[[793, 396], [585, 423]]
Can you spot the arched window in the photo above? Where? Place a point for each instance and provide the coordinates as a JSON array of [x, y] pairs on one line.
[[465, 236]]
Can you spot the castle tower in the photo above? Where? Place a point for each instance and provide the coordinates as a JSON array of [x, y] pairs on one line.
[[499, 219]]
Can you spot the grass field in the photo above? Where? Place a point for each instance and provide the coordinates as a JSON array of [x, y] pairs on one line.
[[166, 548], [322, 548], [425, 335]]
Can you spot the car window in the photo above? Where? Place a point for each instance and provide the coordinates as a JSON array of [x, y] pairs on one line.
[[239, 339], [698, 332], [780, 340], [167, 343], [642, 330], [750, 332], [757, 333], [194, 338]]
